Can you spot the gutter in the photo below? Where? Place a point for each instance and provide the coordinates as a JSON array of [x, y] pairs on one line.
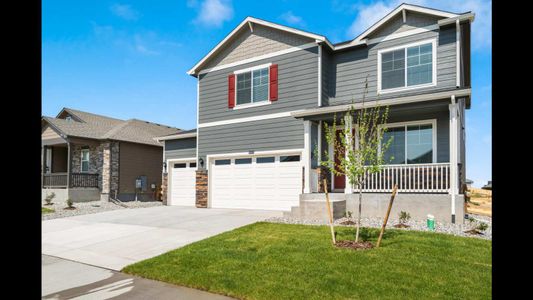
[[465, 17], [394, 101], [175, 136]]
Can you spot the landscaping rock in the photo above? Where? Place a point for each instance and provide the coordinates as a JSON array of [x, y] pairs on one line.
[[91, 207]]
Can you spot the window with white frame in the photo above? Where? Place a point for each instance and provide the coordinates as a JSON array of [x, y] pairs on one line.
[[408, 66], [85, 160], [411, 143], [252, 86]]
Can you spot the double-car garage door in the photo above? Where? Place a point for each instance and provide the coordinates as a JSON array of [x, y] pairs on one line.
[[262, 182], [271, 182]]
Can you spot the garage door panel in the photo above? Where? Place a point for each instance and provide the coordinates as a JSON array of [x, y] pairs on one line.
[[271, 185], [183, 186]]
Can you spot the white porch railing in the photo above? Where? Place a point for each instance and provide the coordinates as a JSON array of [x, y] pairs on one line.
[[415, 178]]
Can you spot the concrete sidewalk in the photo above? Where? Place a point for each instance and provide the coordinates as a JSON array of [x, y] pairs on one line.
[[63, 279], [115, 239]]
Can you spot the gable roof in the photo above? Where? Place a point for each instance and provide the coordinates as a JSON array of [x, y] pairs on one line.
[[176, 136], [100, 127], [359, 40]]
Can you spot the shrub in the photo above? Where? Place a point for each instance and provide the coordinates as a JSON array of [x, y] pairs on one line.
[[482, 226], [70, 203], [49, 198], [404, 216]]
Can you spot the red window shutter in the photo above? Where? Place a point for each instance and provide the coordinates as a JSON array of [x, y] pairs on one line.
[[273, 82], [231, 90]]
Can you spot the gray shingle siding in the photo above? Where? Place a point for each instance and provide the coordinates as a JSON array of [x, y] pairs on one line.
[[348, 69], [181, 148], [271, 134], [297, 88]]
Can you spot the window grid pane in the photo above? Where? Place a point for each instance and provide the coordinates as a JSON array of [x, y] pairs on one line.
[[419, 144], [260, 85], [393, 69], [244, 88], [419, 65]]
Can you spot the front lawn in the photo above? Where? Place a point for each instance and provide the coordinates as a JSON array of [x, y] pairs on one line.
[[280, 261], [45, 210]]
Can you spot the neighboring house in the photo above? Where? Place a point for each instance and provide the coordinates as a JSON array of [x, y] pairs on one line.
[[488, 186], [266, 90], [92, 157], [469, 183]]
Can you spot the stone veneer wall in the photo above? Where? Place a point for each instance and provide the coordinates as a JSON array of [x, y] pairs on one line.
[[201, 188], [164, 187], [95, 160]]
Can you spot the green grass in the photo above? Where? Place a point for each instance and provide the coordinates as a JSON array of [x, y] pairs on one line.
[[45, 210], [279, 261]]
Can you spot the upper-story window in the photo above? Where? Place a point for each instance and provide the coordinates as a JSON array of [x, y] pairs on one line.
[[252, 86], [407, 67]]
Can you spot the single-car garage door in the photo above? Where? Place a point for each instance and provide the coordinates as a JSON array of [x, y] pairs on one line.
[[262, 182], [183, 184]]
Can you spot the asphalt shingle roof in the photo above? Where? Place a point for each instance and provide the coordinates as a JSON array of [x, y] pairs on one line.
[[100, 127]]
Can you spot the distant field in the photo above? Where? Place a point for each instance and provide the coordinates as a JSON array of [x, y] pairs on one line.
[[481, 202]]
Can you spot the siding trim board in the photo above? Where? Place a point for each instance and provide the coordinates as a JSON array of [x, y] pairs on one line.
[[243, 120]]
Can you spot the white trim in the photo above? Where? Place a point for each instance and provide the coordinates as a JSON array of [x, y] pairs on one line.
[[400, 9], [251, 26], [433, 123], [332, 159], [457, 53], [386, 102], [250, 69], [410, 87], [197, 118], [348, 128], [453, 152], [404, 15], [403, 34], [319, 75], [307, 156], [230, 155], [464, 17], [257, 58], [192, 71], [48, 162], [247, 119], [319, 146], [252, 103]]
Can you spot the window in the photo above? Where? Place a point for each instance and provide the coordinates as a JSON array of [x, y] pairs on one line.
[[289, 158], [243, 161], [252, 86], [264, 160], [411, 144], [180, 166], [222, 162], [409, 66], [85, 160]]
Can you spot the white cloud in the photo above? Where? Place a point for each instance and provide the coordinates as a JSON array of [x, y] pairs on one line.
[[368, 14], [292, 19], [124, 11], [213, 12]]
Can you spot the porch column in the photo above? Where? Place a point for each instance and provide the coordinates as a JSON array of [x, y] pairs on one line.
[[453, 155], [68, 165], [43, 164], [348, 125], [307, 156]]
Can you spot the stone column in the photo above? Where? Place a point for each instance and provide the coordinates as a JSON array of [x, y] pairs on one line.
[[106, 171], [114, 169], [164, 187], [201, 188]]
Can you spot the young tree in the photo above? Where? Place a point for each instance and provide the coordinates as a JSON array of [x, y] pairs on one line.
[[357, 150]]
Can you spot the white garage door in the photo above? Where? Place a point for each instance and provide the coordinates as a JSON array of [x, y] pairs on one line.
[[183, 184], [263, 182]]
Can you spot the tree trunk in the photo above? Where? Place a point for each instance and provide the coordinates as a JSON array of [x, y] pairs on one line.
[[358, 214]]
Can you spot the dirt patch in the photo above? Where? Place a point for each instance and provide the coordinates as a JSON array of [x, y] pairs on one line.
[[347, 222], [354, 245], [400, 225], [69, 208], [480, 202], [474, 231]]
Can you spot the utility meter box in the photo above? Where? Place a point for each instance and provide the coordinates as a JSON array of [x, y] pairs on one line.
[[138, 183], [141, 183]]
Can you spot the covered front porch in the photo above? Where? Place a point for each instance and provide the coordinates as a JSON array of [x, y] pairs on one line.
[[426, 155], [68, 172]]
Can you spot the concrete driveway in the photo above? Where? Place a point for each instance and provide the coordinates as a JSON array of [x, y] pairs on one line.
[[115, 239]]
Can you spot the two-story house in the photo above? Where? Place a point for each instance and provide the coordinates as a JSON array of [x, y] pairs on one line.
[[265, 91]]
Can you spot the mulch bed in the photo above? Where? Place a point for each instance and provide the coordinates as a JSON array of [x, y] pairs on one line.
[[354, 245], [347, 222], [69, 208], [474, 231], [401, 226]]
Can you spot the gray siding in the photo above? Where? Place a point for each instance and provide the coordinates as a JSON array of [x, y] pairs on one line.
[[326, 62], [349, 69], [396, 24], [297, 87], [272, 134], [181, 148]]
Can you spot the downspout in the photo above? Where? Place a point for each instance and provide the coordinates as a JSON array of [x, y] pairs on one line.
[[453, 154]]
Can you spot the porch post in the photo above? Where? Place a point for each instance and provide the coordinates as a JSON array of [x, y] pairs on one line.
[[43, 164], [68, 165], [307, 156], [348, 125], [453, 155]]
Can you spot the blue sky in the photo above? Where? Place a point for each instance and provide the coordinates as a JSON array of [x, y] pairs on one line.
[[128, 59]]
